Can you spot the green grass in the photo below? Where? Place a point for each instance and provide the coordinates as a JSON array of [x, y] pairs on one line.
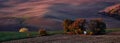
[[7, 36], [113, 30], [55, 32]]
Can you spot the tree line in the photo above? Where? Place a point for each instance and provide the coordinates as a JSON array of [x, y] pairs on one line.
[[81, 26]]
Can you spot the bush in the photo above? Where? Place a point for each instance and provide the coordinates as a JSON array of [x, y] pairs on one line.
[[23, 30], [97, 26], [42, 32]]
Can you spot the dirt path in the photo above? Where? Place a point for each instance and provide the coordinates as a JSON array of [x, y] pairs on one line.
[[60, 38]]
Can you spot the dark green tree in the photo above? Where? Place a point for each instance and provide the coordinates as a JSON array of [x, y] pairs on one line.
[[93, 26], [102, 27], [97, 26]]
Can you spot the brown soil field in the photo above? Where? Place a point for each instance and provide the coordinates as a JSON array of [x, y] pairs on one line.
[[62, 38]]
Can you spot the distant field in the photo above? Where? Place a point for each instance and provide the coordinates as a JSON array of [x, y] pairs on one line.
[[113, 30], [7, 36]]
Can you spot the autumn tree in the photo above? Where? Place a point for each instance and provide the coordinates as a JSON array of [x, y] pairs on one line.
[[81, 25], [66, 24], [77, 26]]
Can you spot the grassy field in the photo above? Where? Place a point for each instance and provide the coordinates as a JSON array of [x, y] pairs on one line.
[[7, 36], [113, 30]]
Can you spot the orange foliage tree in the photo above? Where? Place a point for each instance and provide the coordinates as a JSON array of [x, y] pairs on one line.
[[75, 27], [66, 24]]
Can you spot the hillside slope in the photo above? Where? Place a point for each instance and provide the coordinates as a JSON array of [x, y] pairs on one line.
[[51, 13], [112, 11]]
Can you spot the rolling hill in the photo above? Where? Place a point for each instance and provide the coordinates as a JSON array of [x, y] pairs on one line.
[[112, 11], [50, 13]]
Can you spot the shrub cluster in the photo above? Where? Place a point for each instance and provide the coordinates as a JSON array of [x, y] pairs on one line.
[[81, 26], [25, 30], [42, 32]]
